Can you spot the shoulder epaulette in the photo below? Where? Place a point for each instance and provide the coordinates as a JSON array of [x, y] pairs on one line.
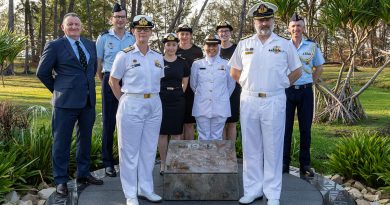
[[104, 32], [225, 58], [199, 58], [130, 48], [155, 50], [246, 37], [311, 40], [284, 37]]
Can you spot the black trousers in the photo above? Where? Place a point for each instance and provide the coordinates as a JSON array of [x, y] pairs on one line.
[[301, 100], [110, 106]]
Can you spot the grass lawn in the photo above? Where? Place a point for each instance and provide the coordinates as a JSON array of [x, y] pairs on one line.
[[26, 90]]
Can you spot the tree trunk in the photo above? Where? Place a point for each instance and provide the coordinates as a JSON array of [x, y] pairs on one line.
[[177, 16], [89, 18], [55, 23], [196, 20], [133, 9], [139, 7], [26, 23], [372, 45], [71, 6], [242, 19], [43, 25], [11, 24], [62, 14]]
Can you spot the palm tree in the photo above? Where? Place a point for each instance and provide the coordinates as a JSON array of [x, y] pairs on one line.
[[10, 45], [350, 22]]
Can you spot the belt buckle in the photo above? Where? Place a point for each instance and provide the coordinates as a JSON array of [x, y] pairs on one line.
[[262, 95], [296, 87], [147, 95], [170, 88]]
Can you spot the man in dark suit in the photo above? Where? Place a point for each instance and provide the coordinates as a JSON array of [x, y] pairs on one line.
[[67, 68]]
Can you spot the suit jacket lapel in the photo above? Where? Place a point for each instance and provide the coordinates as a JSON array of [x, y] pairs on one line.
[[69, 48]]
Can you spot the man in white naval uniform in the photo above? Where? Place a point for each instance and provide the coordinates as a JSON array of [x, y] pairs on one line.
[[139, 112], [212, 85], [264, 65]]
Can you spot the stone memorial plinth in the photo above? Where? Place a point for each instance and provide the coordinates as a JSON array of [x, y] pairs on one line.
[[201, 170]]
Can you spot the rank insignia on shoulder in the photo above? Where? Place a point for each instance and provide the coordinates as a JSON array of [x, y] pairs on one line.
[[155, 50], [275, 49], [157, 64], [246, 37], [126, 50], [202, 68], [104, 32]]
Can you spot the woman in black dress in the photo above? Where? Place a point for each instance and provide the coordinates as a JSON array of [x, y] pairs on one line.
[[172, 97]]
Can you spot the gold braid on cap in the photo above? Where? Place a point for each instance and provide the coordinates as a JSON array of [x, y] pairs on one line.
[[143, 21], [262, 9], [170, 38]]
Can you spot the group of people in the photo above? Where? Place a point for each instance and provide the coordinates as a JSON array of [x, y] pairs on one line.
[[148, 97]]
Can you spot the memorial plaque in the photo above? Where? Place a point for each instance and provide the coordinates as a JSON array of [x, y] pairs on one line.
[[201, 170]]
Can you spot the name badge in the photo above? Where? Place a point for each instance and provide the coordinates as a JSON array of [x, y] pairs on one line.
[[248, 51], [221, 68], [202, 68]]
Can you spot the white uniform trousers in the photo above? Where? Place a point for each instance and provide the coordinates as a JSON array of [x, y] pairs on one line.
[[210, 128], [262, 125], [138, 124]]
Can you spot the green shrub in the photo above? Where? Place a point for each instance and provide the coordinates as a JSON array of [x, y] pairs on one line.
[[364, 157]]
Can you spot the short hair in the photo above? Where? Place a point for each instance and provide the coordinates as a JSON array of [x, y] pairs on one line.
[[71, 14]]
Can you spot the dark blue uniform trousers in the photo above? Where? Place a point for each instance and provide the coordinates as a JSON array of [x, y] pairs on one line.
[[63, 122], [302, 100], [110, 106]]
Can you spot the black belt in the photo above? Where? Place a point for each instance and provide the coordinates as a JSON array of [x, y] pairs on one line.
[[299, 87]]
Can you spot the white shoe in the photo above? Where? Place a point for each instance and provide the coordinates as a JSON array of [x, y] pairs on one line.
[[132, 201], [273, 202], [249, 199], [152, 197]]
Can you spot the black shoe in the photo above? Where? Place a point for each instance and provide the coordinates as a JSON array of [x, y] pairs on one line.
[[110, 171], [62, 190], [286, 168], [89, 180], [306, 171]]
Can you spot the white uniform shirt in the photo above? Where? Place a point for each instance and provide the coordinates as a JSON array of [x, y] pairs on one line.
[[212, 85], [265, 67], [139, 73]]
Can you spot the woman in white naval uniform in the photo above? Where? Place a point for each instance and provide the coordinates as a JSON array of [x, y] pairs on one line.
[[139, 112], [212, 85]]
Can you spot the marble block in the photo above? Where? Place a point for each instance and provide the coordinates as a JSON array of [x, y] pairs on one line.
[[201, 170]]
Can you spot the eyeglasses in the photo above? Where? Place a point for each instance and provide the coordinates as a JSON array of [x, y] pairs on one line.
[[224, 31], [139, 30], [119, 17]]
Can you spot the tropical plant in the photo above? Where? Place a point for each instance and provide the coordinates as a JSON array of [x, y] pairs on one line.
[[350, 22], [364, 157], [10, 45]]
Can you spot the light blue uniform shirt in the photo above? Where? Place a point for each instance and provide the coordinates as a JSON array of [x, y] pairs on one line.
[[109, 44], [310, 56], [76, 51]]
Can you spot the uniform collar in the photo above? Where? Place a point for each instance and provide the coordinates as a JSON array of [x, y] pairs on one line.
[[136, 49], [216, 58], [303, 42], [71, 40], [112, 33], [270, 39]]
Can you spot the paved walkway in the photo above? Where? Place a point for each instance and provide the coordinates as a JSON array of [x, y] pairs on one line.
[[295, 191]]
